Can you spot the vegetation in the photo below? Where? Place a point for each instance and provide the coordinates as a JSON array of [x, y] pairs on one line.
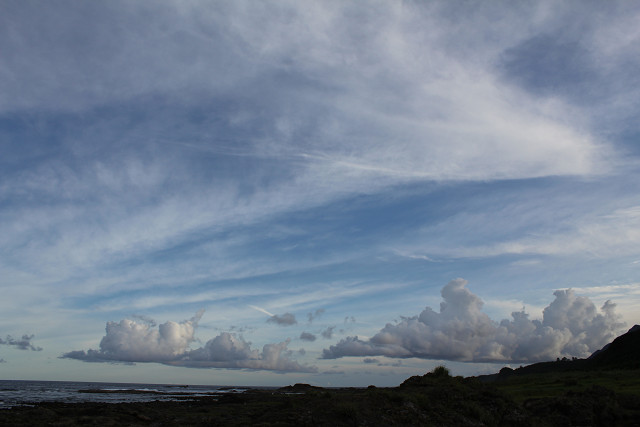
[[436, 398], [440, 371], [535, 386]]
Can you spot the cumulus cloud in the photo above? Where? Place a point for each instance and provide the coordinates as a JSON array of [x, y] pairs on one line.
[[232, 352], [23, 343], [571, 326], [129, 341], [286, 319], [132, 341], [145, 319], [307, 336]]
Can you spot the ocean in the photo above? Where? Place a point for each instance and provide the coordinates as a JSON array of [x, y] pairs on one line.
[[17, 393]]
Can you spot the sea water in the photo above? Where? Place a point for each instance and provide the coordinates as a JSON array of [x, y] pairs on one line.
[[14, 393]]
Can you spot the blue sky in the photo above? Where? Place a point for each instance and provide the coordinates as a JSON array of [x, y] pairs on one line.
[[324, 192]]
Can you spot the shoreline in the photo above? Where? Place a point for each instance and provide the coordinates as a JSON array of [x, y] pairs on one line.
[[421, 400]]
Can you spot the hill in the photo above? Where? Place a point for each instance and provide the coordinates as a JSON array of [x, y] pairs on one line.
[[623, 353]]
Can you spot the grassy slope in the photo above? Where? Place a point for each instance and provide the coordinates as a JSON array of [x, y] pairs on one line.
[[530, 386]]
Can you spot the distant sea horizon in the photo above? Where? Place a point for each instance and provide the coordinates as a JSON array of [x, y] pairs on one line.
[[28, 392]]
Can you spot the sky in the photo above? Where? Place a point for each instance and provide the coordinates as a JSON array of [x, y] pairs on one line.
[[328, 192]]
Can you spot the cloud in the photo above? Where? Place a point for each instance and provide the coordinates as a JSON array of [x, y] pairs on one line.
[[610, 235], [286, 319], [571, 326], [442, 118], [624, 291], [224, 124], [151, 322], [232, 352], [312, 316], [23, 343], [128, 341], [261, 310], [132, 341], [307, 336], [477, 123], [328, 333]]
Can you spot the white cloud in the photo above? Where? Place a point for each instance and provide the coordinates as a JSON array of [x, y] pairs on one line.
[[129, 342], [232, 352], [385, 101], [616, 290], [395, 80], [626, 296], [261, 310], [611, 235], [571, 326]]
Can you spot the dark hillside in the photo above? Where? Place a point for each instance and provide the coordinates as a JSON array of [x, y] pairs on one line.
[[621, 354]]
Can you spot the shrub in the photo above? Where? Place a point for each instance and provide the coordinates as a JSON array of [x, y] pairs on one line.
[[440, 371]]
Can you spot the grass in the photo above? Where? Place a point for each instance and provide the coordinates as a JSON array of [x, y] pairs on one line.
[[536, 386]]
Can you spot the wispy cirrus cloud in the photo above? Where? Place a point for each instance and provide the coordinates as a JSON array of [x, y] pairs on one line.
[[611, 235], [153, 190]]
